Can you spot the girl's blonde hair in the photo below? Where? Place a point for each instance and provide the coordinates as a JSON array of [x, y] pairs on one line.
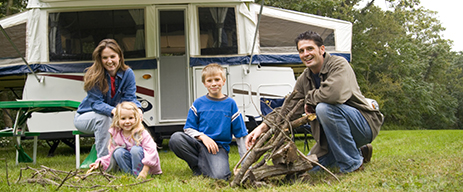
[[212, 69], [95, 74], [138, 126]]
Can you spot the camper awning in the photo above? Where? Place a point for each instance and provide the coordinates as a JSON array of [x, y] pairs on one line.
[[21, 69], [262, 59]]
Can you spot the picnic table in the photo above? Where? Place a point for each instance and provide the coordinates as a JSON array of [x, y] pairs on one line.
[[25, 109]]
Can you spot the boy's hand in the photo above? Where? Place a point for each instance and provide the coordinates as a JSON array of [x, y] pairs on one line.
[[252, 137], [143, 172], [209, 143]]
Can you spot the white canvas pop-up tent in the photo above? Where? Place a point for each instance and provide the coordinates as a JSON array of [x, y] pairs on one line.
[[167, 43]]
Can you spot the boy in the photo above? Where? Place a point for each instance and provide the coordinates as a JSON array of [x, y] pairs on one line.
[[211, 122]]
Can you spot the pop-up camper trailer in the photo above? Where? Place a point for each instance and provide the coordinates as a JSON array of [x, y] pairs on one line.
[[167, 43]]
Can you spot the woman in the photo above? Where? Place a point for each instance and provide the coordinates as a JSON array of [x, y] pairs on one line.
[[108, 82]]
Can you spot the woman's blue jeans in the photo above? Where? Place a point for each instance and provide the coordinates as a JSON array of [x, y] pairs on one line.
[[346, 130], [97, 124], [129, 161], [198, 157]]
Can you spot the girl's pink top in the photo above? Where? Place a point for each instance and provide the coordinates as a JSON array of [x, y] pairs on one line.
[[151, 158]]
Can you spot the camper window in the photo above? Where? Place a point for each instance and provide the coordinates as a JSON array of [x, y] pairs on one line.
[[172, 27], [8, 54], [74, 35], [277, 35], [219, 24]]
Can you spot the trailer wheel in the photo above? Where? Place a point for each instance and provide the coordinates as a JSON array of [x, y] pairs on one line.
[[158, 139]]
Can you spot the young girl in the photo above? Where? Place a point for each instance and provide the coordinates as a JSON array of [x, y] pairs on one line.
[[131, 147]]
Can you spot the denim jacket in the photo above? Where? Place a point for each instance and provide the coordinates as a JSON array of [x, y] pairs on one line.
[[103, 103]]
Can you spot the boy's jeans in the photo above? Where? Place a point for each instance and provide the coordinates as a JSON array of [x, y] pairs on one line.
[[346, 130], [98, 124], [129, 161], [198, 157]]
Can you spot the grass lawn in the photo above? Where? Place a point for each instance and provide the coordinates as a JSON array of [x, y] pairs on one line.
[[419, 160]]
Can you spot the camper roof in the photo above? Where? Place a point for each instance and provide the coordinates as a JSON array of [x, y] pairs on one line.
[[80, 3], [274, 45]]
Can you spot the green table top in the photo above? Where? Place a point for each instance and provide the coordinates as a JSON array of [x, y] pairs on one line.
[[41, 105], [11, 134]]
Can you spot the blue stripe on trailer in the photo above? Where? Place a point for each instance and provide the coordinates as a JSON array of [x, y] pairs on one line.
[[70, 67], [269, 59]]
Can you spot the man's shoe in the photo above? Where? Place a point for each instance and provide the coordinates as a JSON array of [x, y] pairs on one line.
[[367, 152]]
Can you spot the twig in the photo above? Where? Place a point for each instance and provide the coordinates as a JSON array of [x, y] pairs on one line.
[[55, 173], [64, 180], [314, 162], [20, 175], [285, 122], [42, 181], [101, 171], [6, 169], [36, 171], [83, 177], [52, 170]]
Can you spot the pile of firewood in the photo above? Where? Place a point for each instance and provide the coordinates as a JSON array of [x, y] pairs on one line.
[[280, 154]]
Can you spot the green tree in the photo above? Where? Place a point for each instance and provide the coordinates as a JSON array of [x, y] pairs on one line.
[[455, 87], [9, 7]]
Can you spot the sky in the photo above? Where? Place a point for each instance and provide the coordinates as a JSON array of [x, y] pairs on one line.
[[449, 13]]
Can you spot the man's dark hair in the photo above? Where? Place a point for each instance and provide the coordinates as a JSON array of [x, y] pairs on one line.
[[310, 35]]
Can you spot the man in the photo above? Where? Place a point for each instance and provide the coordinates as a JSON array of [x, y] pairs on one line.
[[345, 119]]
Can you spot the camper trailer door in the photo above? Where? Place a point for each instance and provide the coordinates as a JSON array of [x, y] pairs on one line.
[[173, 65]]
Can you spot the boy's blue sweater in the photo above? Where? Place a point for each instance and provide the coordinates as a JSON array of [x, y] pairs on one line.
[[219, 119]]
